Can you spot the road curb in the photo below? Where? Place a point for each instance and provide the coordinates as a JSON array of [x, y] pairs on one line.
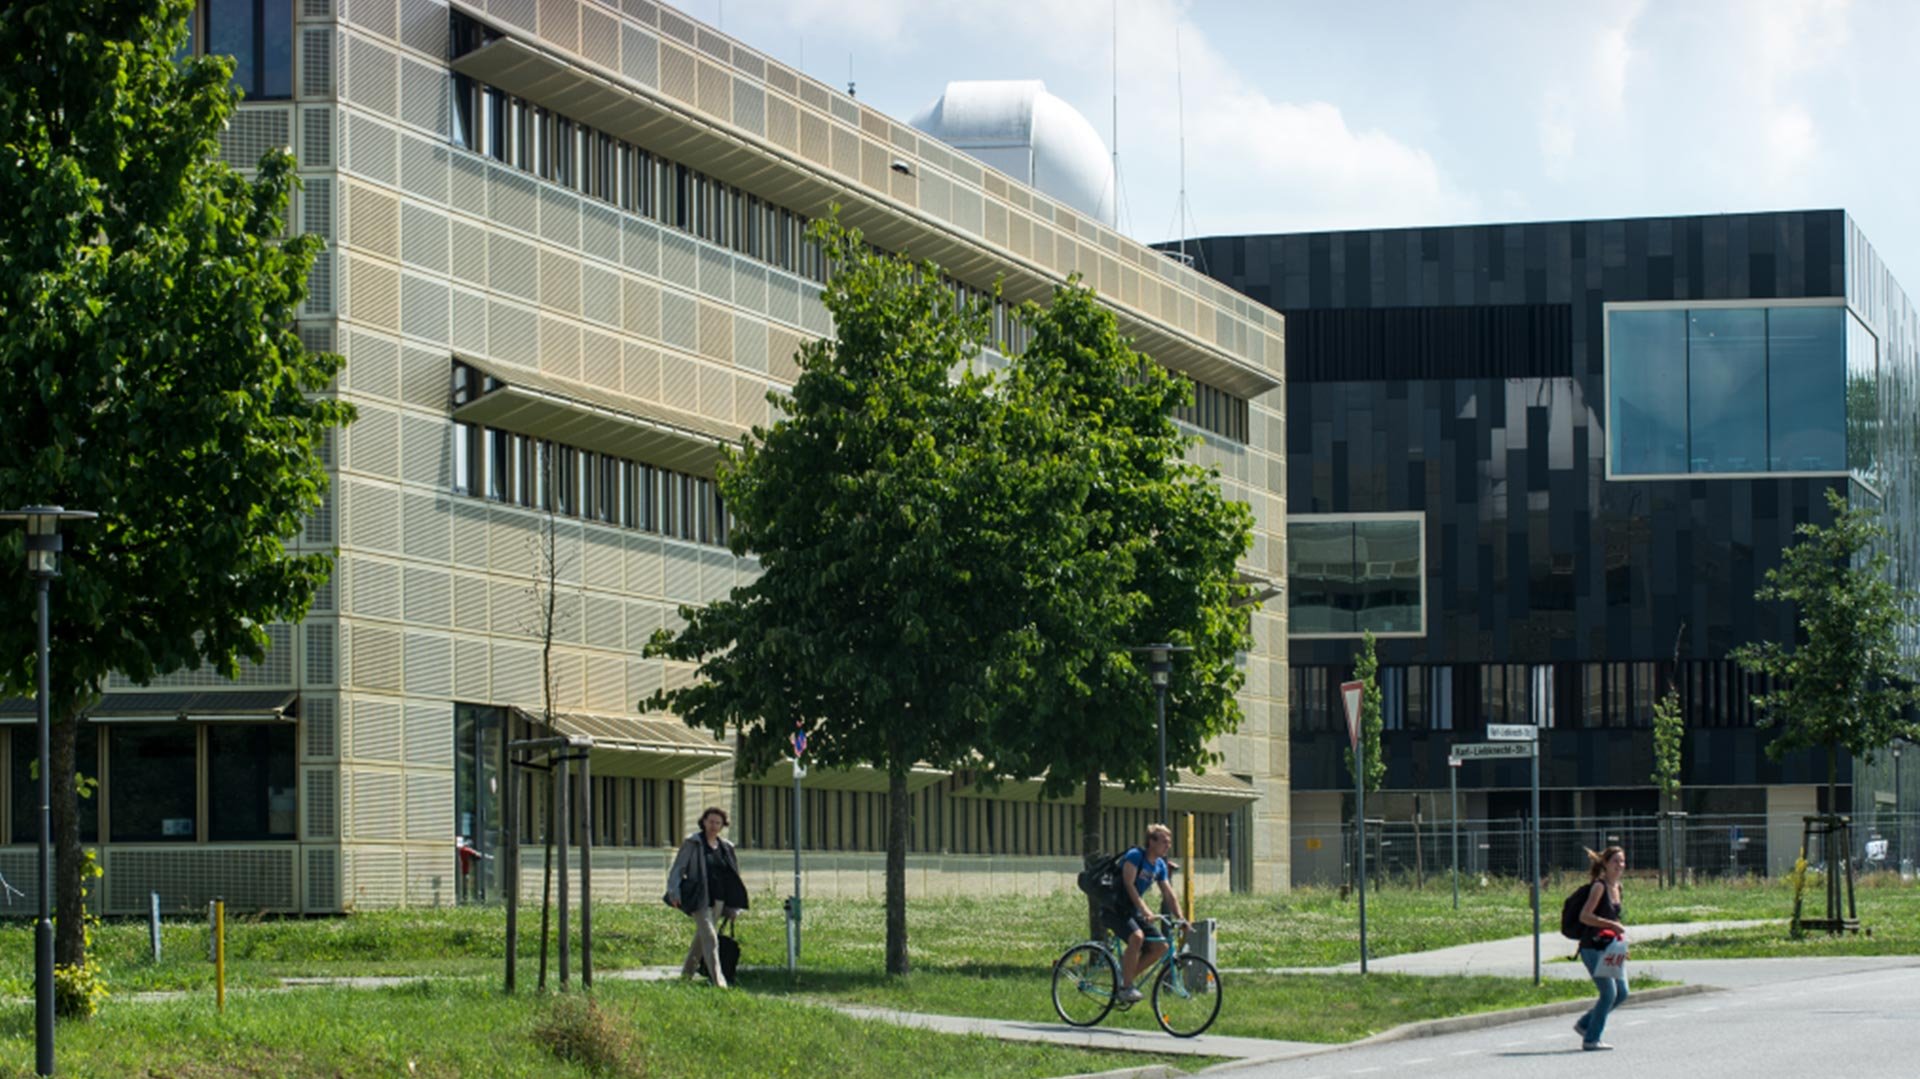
[[1433, 1028]]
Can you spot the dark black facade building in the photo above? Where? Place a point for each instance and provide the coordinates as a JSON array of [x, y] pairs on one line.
[[1538, 461]]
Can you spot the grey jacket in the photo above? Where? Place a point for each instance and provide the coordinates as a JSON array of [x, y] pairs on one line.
[[687, 879]]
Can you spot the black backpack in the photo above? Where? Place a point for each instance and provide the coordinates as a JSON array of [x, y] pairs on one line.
[[1101, 878], [1570, 925]]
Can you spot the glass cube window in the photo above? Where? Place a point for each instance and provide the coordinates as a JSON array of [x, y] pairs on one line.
[[1353, 575], [1738, 390]]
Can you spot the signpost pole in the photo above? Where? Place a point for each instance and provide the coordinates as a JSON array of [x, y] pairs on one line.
[[1453, 791], [1351, 694], [793, 903], [1542, 710]]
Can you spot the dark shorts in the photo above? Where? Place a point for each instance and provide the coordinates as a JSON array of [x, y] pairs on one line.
[[1126, 921]]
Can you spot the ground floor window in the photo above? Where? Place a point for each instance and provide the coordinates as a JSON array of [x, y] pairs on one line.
[[169, 782]]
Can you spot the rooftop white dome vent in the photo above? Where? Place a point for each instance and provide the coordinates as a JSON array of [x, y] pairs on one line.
[[1015, 126]]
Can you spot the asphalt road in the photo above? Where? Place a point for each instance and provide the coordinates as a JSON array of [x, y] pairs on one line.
[[1825, 1018]]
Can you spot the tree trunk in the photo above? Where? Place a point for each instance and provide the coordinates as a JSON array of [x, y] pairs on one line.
[[899, 819], [1090, 844], [1833, 782], [69, 907]]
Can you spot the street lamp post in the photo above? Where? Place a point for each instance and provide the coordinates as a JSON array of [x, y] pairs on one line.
[[43, 565], [1159, 666]]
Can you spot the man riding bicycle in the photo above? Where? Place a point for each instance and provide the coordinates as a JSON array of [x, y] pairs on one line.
[[1140, 869]]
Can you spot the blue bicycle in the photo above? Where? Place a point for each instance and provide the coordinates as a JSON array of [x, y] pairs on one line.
[[1186, 988]]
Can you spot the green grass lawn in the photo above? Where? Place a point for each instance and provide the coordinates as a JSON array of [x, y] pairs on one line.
[[984, 957], [466, 1029]]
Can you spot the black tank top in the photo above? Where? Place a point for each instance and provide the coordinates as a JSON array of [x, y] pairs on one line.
[[1605, 908]]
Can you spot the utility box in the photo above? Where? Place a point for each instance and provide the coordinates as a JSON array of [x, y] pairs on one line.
[[1203, 940]]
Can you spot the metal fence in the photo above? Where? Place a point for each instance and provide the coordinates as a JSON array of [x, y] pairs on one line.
[[1702, 846]]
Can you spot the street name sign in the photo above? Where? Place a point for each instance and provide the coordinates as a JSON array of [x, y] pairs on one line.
[[1485, 750], [1512, 732]]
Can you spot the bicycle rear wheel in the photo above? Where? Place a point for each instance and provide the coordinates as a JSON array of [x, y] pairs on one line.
[[1085, 981], [1186, 996]]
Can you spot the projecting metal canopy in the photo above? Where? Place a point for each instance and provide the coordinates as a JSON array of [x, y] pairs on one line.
[[636, 748], [868, 780], [545, 406], [175, 706], [1214, 792]]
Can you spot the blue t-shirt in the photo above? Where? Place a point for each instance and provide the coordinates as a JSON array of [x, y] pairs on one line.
[[1146, 875]]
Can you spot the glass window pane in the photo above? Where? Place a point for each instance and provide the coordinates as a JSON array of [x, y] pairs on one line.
[[152, 782], [1647, 381], [250, 789], [1726, 402], [276, 60], [1386, 557], [1320, 576], [1863, 401], [230, 29], [25, 792], [1806, 394]]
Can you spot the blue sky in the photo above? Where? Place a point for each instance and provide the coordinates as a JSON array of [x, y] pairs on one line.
[[1316, 115]]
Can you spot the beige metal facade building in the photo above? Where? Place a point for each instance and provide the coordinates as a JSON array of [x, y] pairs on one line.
[[565, 264]]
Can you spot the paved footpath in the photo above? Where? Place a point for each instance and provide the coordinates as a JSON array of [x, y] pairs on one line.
[[1512, 957]]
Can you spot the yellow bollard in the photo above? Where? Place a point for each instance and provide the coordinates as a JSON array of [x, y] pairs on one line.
[[220, 954], [1187, 870]]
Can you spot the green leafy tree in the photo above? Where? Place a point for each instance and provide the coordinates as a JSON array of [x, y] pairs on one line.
[[873, 507], [1124, 542], [149, 370], [1366, 668], [1843, 683]]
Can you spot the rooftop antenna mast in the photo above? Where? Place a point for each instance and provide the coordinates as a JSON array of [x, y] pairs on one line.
[[1116, 113], [850, 92], [1180, 103]]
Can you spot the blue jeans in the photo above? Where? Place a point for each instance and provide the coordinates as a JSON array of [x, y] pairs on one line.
[[1613, 993]]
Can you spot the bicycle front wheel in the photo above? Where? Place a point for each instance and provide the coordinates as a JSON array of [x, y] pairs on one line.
[[1085, 981], [1186, 996]]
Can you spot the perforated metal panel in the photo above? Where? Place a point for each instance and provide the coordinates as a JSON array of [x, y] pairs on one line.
[[423, 308], [641, 376], [679, 76], [375, 875], [430, 801], [600, 232], [429, 665], [606, 619], [373, 587], [321, 666], [376, 728], [560, 282], [716, 394], [253, 131], [640, 246], [600, 295], [323, 803], [249, 879], [371, 149], [372, 76], [560, 217], [373, 518], [511, 266], [423, 168], [274, 669], [716, 332], [374, 808], [559, 347], [376, 664], [316, 139], [516, 673], [639, 56], [323, 879], [749, 344], [320, 725], [679, 321], [470, 674], [316, 9], [429, 600], [423, 27]]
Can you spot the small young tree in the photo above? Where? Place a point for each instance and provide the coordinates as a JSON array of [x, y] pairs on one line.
[[1366, 668], [1669, 740], [1843, 683]]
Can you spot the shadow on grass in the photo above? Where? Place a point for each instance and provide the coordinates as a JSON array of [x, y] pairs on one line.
[[776, 981]]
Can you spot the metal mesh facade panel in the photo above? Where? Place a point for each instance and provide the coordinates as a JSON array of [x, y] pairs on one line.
[[322, 661], [188, 877], [323, 803], [323, 879], [254, 131]]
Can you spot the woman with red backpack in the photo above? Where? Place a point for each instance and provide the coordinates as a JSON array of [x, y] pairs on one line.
[[1601, 928]]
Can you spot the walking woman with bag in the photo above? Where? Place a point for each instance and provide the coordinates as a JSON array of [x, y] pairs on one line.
[[1603, 943], [704, 883]]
